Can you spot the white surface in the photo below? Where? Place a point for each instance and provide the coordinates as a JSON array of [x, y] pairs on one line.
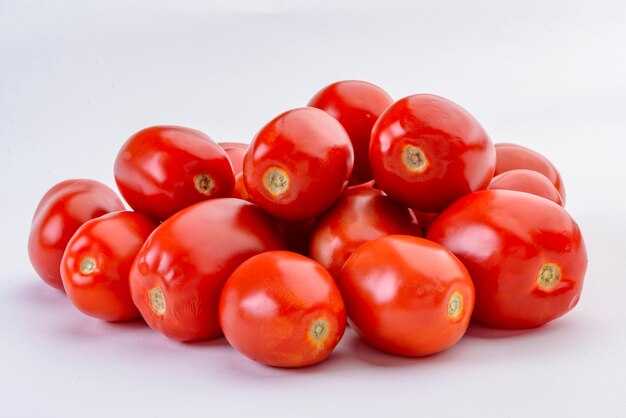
[[77, 78]]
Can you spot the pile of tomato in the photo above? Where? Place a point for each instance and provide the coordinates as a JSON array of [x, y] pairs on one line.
[[401, 218]]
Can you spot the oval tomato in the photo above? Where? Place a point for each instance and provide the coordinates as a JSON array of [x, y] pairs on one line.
[[359, 216], [426, 152], [282, 309], [298, 164], [525, 254], [61, 211], [356, 105], [97, 261], [163, 169], [527, 181], [236, 152], [406, 295], [178, 274]]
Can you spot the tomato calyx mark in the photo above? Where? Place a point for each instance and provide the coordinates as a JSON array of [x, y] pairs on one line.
[[87, 265], [414, 159], [276, 181], [455, 306], [319, 330], [548, 276], [204, 184], [157, 300]]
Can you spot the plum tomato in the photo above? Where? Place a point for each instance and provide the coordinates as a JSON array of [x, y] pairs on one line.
[[426, 152], [356, 105], [359, 216], [236, 151], [528, 181], [282, 309], [179, 272], [97, 262], [526, 255], [513, 156], [61, 211], [163, 169], [298, 164], [406, 295]]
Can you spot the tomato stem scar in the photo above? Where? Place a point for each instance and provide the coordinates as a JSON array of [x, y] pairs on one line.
[[548, 276], [414, 158], [204, 184], [276, 181], [157, 300], [319, 330], [87, 265], [455, 306]]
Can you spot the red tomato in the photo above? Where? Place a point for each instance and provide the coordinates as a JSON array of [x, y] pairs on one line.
[[525, 254], [163, 169], [406, 295], [359, 216], [298, 164], [61, 211], [282, 309], [528, 181], [236, 151], [512, 156], [426, 152], [179, 272], [97, 261], [240, 191], [424, 219], [356, 105]]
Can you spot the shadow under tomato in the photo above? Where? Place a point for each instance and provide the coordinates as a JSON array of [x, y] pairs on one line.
[[479, 330]]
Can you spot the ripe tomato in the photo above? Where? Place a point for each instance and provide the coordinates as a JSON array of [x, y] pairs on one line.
[[61, 211], [240, 191], [512, 156], [97, 261], [356, 105], [406, 295], [528, 181], [282, 309], [298, 164], [525, 254], [178, 274], [359, 216], [163, 169], [236, 151], [426, 152]]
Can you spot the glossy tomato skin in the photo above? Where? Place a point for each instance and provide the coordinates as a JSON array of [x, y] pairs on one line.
[[97, 260], [163, 169], [61, 211], [513, 156], [526, 255], [236, 151], [298, 164], [356, 105], [282, 309], [178, 274], [406, 295], [426, 152], [359, 216], [527, 181]]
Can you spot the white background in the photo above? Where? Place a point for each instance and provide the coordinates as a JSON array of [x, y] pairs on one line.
[[77, 78]]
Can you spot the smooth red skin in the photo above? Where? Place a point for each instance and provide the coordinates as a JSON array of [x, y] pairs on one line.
[[424, 219], [61, 211], [503, 237], [396, 289], [513, 156], [155, 169], [190, 256], [359, 216], [461, 155], [297, 235], [112, 240], [236, 151], [313, 149], [240, 191], [269, 304], [527, 181], [356, 105]]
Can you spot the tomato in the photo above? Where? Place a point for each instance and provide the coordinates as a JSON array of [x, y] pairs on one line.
[[298, 164], [528, 181], [61, 211], [297, 235], [360, 215], [240, 191], [406, 295], [178, 274], [525, 254], [282, 309], [163, 169], [424, 219], [512, 156], [97, 261], [236, 151], [426, 152], [356, 105]]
